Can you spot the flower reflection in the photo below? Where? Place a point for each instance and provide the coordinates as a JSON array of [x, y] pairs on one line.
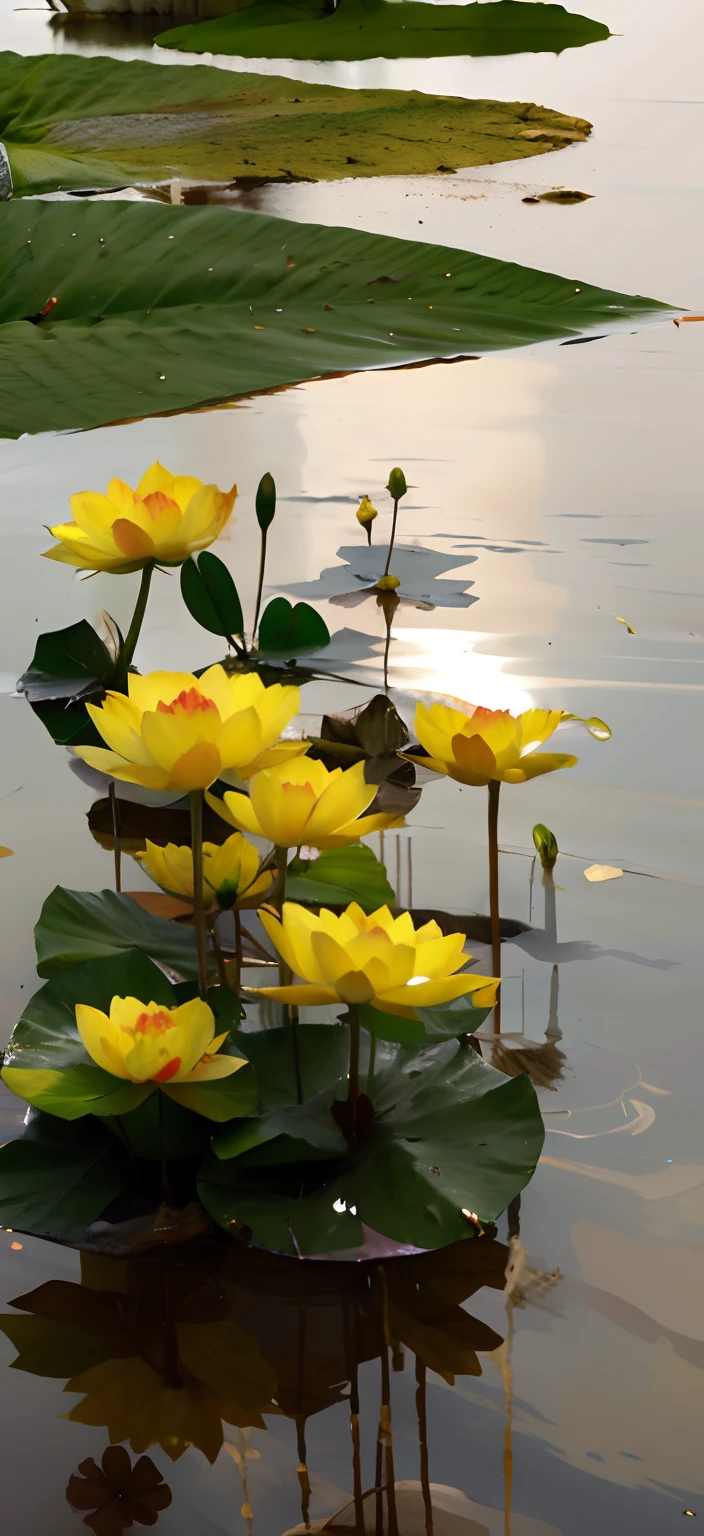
[[116, 1494]]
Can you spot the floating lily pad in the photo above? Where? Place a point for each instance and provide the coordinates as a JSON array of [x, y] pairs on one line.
[[418, 571], [162, 308], [450, 1135], [55, 1184], [85, 925], [49, 1066], [72, 122], [368, 29], [69, 666], [339, 876]]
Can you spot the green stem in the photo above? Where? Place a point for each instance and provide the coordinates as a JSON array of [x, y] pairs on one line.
[[116, 843], [262, 563], [165, 1186], [290, 1010], [129, 646], [238, 950], [494, 788], [391, 543], [196, 800], [370, 1068], [217, 950], [355, 1031]]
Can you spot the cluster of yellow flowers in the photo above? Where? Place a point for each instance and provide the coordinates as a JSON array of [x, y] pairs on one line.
[[177, 732]]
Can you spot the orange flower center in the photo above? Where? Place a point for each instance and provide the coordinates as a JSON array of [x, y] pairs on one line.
[[153, 1023], [189, 700], [158, 502]]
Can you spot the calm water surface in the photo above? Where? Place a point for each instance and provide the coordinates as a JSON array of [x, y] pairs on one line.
[[569, 477]]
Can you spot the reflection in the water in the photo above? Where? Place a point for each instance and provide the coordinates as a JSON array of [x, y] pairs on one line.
[[176, 1351], [116, 1494]]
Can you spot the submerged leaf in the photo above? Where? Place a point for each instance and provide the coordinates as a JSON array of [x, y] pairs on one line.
[[166, 323]]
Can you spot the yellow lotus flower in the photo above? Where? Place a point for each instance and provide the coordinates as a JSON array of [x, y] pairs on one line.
[[230, 872], [489, 743], [166, 519], [379, 959], [146, 1043], [175, 731], [301, 802]]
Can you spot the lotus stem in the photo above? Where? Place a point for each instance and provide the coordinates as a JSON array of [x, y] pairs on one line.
[[133, 632], [385, 1434], [353, 1092], [393, 535], [290, 1010], [217, 950], [196, 800], [421, 1410], [260, 584], [116, 843], [372, 1063], [165, 1186], [369, 533], [494, 788], [238, 950]]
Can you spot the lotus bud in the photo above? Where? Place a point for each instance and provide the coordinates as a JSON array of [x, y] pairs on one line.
[[546, 845], [388, 583], [265, 502], [365, 515], [396, 485]]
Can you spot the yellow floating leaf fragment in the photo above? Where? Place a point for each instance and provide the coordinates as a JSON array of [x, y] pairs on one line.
[[598, 872], [6, 853], [259, 327], [631, 631]]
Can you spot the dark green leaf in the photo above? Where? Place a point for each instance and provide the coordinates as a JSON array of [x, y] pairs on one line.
[[141, 325], [211, 596], [69, 666], [83, 925], [296, 1133], [265, 502], [450, 1135], [379, 727], [287, 631], [58, 1189], [282, 1223], [339, 876], [72, 122], [323, 1057], [369, 29]]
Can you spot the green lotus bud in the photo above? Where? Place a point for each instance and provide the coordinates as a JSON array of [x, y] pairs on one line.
[[266, 502], [546, 845], [397, 484]]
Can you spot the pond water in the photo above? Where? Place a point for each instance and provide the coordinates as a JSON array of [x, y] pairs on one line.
[[579, 1390]]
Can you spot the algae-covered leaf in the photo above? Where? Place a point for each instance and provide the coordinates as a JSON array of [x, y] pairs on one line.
[[160, 308], [402, 29], [73, 122]]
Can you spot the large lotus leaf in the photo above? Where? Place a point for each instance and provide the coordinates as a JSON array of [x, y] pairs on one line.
[[339, 876], [83, 925], [297, 1133], [323, 1054], [368, 29], [162, 308], [446, 1022], [77, 122], [450, 1135], [56, 1187], [48, 1065]]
